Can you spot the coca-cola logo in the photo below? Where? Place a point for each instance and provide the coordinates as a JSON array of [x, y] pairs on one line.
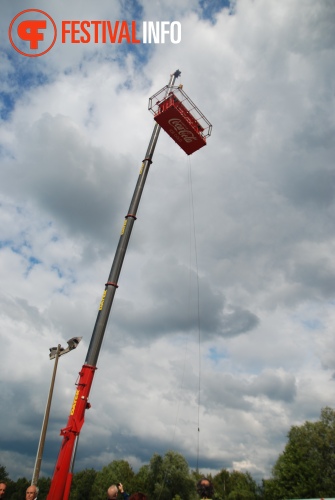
[[180, 128]]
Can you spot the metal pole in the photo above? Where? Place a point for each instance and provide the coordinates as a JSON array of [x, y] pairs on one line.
[[39, 454], [68, 483]]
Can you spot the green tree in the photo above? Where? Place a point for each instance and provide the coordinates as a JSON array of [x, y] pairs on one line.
[[271, 489], [44, 486], [221, 482], [196, 475], [3, 474], [243, 487], [20, 487], [170, 477], [241, 495], [235, 485], [82, 484], [306, 468], [141, 480]]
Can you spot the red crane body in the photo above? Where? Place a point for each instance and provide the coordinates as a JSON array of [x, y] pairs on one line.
[[62, 477]]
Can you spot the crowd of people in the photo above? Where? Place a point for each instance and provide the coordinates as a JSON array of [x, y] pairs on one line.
[[205, 491]]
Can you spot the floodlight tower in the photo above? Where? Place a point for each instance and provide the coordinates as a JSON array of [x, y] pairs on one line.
[[181, 119], [55, 353]]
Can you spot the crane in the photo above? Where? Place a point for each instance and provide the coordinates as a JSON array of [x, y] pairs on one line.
[[173, 111]]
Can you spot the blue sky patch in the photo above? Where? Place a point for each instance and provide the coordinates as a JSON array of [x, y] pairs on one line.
[[211, 7], [27, 74], [216, 355]]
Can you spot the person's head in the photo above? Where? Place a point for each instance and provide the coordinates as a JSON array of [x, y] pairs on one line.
[[31, 492], [3, 487], [137, 496], [205, 488], [112, 492]]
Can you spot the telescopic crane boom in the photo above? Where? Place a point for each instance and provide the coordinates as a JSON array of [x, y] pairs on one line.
[[184, 129], [61, 481]]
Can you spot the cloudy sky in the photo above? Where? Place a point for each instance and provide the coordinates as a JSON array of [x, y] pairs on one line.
[[228, 285]]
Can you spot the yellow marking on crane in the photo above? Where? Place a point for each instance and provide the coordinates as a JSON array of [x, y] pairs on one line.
[[102, 300], [124, 227], [76, 396]]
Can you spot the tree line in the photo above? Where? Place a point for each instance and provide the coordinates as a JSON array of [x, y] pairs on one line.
[[305, 469]]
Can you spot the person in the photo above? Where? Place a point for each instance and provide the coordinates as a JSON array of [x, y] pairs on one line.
[[205, 488], [112, 492], [31, 492], [3, 487], [137, 496], [123, 493]]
